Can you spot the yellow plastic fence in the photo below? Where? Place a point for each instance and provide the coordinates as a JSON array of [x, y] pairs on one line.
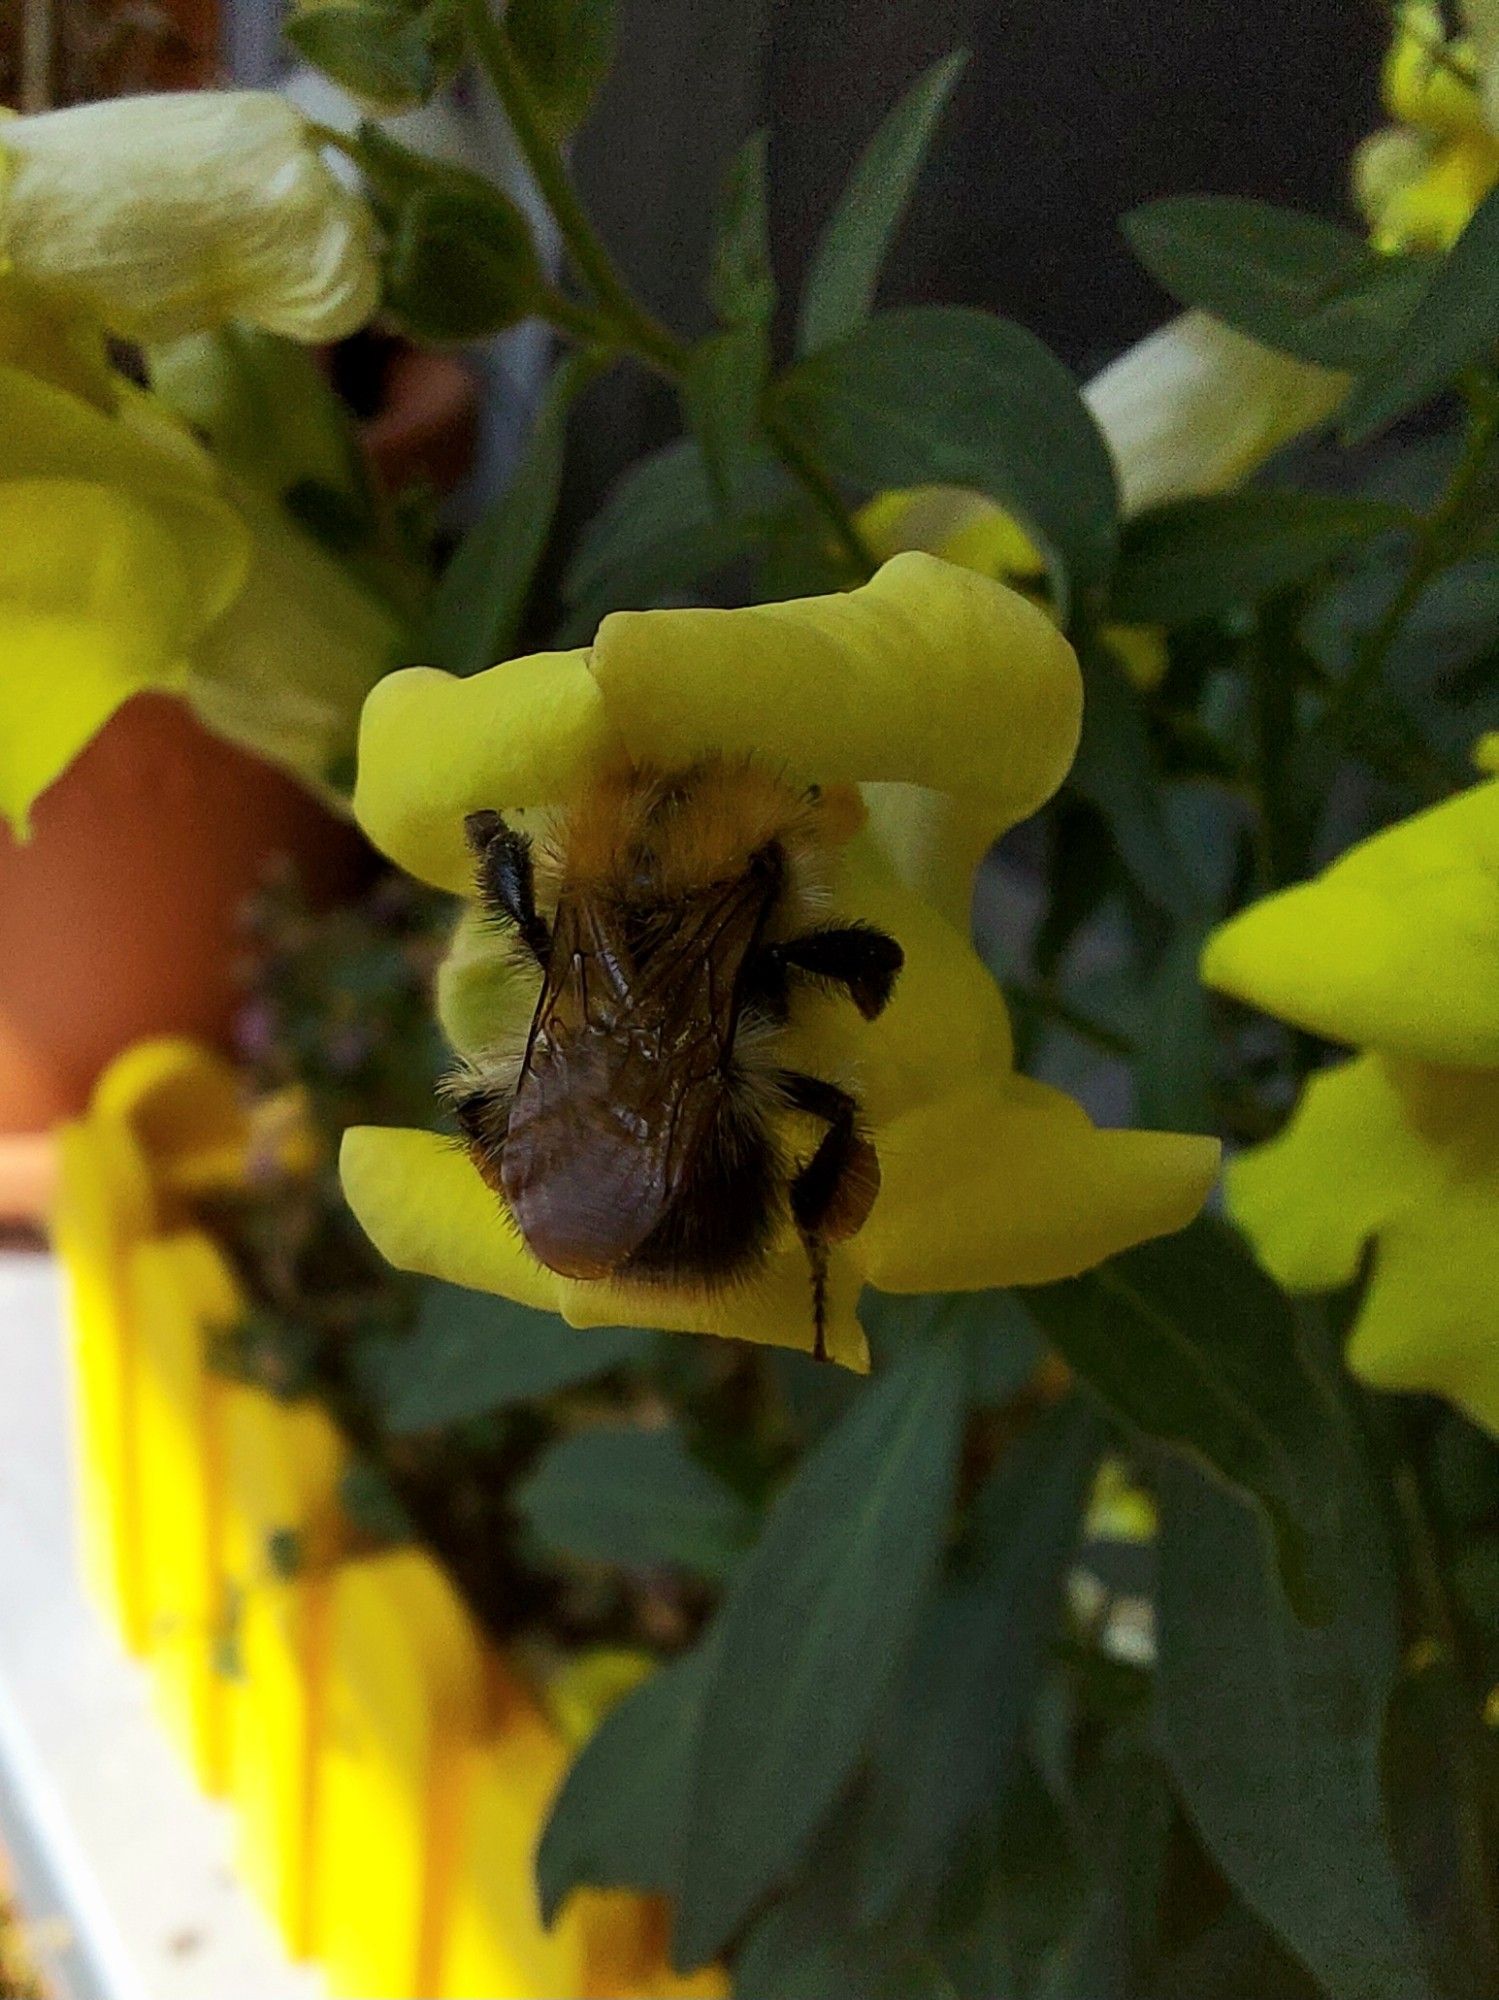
[[389, 1771]]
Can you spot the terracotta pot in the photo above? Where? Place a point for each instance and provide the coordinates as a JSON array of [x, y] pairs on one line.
[[118, 917]]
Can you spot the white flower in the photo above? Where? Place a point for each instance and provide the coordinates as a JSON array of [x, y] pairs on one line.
[[1195, 407], [170, 215]]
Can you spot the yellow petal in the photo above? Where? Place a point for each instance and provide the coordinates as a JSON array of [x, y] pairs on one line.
[[182, 1103], [421, 1203], [1012, 1184], [1428, 1320], [1196, 406], [927, 675], [486, 993], [1311, 1198], [1394, 947], [1423, 83], [933, 841], [285, 669], [166, 215], [102, 593], [52, 434], [953, 522], [433, 748]]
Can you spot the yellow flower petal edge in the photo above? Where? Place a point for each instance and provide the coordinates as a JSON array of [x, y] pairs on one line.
[[423, 1205], [1311, 1198], [1394, 947], [1428, 1320], [433, 748], [102, 594], [1012, 1184], [928, 674], [184, 1106]]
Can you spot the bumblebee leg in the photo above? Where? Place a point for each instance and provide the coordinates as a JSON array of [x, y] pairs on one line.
[[507, 879], [862, 960], [833, 1193]]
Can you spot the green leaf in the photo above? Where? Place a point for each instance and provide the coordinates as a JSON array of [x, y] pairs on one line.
[[1455, 327], [385, 53], [957, 1718], [845, 266], [1116, 771], [617, 1821], [1289, 280], [660, 532], [741, 289], [475, 614], [1273, 1733], [1173, 1072], [373, 1505], [565, 47], [460, 266], [944, 395], [999, 1337], [814, 1630], [1190, 1342], [721, 394], [803, 1949], [1202, 558], [470, 1353], [638, 1499]]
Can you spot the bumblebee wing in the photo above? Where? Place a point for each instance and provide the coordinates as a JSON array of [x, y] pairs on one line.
[[626, 1069]]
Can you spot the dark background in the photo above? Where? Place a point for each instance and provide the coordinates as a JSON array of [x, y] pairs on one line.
[[1068, 114]]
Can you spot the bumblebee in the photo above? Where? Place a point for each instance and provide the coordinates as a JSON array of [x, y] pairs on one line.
[[639, 1133]]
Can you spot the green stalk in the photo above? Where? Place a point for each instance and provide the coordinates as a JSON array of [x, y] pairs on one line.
[[1431, 553], [622, 318]]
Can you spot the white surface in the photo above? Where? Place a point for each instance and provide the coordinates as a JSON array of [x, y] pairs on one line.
[[93, 1802]]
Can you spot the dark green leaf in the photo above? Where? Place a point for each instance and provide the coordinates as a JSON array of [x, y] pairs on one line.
[[741, 289], [373, 1504], [1116, 771], [1191, 1343], [801, 1950], [470, 1353], [721, 395], [460, 266], [1174, 1066], [944, 395], [997, 1333], [635, 1498], [1455, 327], [565, 48], [957, 1717], [1273, 1733], [617, 1822], [660, 533], [1292, 281], [814, 1630], [475, 615], [845, 266], [1201, 558], [386, 53]]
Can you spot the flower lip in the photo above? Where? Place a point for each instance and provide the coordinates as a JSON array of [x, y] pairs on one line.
[[928, 675]]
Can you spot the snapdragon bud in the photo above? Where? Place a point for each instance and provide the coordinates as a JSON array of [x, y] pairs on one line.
[[169, 215]]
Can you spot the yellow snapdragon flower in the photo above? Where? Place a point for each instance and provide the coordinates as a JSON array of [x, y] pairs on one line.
[[128, 561], [1419, 180], [1393, 951], [953, 705], [168, 215]]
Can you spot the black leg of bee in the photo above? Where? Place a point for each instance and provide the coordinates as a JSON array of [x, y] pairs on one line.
[[833, 1193], [862, 960], [507, 879]]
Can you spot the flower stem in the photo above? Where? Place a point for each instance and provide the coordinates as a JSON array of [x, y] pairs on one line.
[[622, 320], [1432, 551]]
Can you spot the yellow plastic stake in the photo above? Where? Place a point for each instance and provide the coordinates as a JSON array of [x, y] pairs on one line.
[[183, 1293], [496, 1948], [104, 1201], [283, 1466], [404, 1718]]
